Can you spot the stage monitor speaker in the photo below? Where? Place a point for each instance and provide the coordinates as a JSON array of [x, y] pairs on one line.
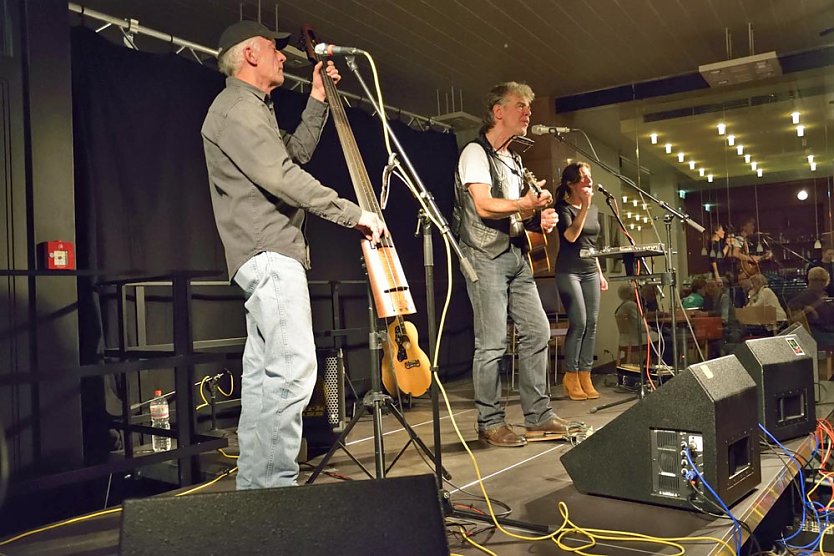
[[379, 516], [784, 376], [638, 456], [808, 343]]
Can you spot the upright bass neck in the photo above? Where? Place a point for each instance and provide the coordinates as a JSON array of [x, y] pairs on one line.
[[391, 293]]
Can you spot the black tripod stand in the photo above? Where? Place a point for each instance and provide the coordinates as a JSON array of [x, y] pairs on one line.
[[373, 403]]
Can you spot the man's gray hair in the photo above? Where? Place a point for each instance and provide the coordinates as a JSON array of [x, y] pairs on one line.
[[499, 94], [231, 61]]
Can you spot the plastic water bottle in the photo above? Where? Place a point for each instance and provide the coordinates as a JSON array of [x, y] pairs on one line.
[[159, 419]]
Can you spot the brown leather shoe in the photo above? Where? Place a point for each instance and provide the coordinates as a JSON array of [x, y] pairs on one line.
[[552, 429], [502, 436]]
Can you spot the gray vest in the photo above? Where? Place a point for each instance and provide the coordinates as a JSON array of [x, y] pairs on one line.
[[489, 236]]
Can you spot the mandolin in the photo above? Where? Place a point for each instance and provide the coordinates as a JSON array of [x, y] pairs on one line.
[[404, 365], [536, 241]]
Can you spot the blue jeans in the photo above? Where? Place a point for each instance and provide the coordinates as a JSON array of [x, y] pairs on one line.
[[279, 369], [580, 295], [505, 286]]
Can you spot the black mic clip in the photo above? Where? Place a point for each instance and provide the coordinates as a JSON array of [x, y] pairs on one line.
[[604, 191]]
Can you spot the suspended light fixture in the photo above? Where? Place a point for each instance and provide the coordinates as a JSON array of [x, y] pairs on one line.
[[668, 148], [691, 164], [754, 165], [794, 118], [704, 248], [747, 158], [709, 178], [817, 243], [740, 150], [813, 166], [721, 128], [654, 138], [800, 131], [759, 172], [731, 140], [680, 156], [701, 172]]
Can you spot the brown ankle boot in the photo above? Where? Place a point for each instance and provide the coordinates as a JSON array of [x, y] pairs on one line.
[[573, 388], [587, 386]]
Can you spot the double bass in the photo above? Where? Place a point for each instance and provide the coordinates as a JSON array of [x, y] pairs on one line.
[[404, 366]]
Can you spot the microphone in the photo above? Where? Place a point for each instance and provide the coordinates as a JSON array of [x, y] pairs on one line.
[[604, 191], [540, 129], [323, 49]]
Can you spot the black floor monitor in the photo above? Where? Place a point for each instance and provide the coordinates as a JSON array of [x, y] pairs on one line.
[[710, 408]]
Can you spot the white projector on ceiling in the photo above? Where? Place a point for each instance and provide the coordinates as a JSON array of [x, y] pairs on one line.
[[741, 70]]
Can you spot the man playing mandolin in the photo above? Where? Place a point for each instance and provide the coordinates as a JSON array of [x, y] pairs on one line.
[[259, 195], [490, 193]]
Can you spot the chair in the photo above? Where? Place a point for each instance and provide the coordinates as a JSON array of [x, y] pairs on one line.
[[627, 327]]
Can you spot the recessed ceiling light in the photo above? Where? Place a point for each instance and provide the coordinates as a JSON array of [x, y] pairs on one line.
[[813, 166], [654, 138], [731, 140], [740, 150], [800, 131], [721, 128], [810, 158], [760, 172], [795, 118], [691, 164], [701, 172], [625, 199], [680, 156], [747, 158], [753, 165], [668, 148], [709, 178]]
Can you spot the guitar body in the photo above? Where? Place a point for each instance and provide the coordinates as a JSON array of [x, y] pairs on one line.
[[404, 365], [537, 252]]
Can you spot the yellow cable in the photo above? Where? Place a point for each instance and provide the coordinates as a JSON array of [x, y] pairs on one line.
[[103, 512], [60, 524], [202, 395], [225, 455], [822, 538]]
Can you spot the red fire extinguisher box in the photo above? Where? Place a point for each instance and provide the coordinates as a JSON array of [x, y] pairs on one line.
[[57, 255]]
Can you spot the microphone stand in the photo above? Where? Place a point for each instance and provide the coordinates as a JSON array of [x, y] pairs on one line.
[[668, 278], [432, 214]]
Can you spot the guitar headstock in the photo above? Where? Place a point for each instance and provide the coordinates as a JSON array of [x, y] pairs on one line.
[[532, 182]]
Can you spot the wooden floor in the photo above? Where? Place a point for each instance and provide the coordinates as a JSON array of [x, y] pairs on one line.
[[525, 484]]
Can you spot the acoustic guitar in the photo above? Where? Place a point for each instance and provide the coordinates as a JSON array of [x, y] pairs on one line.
[[404, 365], [748, 269]]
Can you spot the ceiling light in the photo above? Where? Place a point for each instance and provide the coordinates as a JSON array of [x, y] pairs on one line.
[[800, 131], [625, 199], [645, 219], [631, 226], [654, 138], [760, 172], [668, 148], [707, 207], [691, 164], [810, 159], [709, 178], [680, 157], [731, 140], [747, 158], [795, 118], [634, 202], [802, 195], [818, 244], [639, 228], [740, 150], [701, 172], [753, 165], [721, 128], [645, 206], [628, 214], [813, 166]]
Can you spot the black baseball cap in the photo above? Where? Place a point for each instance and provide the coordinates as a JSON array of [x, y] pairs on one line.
[[243, 30]]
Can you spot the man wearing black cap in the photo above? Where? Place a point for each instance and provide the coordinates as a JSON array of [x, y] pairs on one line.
[[260, 195]]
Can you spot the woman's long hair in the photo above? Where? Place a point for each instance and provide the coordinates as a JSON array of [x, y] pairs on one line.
[[571, 174]]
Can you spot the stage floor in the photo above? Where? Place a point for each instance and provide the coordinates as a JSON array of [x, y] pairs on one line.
[[530, 481]]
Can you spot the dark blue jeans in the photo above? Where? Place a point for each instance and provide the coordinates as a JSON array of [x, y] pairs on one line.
[[580, 295]]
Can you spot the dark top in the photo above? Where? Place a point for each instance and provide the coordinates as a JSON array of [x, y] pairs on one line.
[[717, 256], [823, 320], [258, 190], [568, 260]]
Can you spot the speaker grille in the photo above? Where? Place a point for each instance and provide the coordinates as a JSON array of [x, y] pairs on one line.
[[334, 399]]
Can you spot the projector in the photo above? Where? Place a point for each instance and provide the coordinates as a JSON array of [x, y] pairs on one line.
[[741, 70]]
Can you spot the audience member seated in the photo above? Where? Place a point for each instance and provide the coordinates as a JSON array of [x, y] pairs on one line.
[[695, 300], [815, 306], [630, 326], [717, 302], [759, 295]]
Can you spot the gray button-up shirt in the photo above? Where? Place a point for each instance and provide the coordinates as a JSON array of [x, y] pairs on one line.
[[258, 191]]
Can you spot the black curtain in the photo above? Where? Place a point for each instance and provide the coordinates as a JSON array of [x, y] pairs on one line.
[[142, 193]]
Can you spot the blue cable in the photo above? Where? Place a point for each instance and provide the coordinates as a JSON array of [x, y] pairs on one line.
[[736, 525], [799, 529]]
